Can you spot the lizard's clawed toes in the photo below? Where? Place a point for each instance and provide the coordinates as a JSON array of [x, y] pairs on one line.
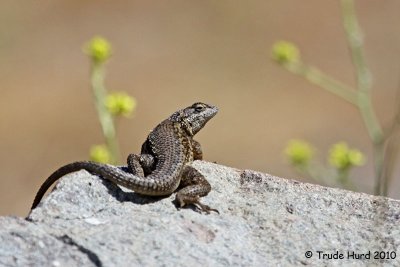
[[200, 207], [207, 209]]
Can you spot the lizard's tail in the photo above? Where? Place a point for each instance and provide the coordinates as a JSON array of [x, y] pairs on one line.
[[69, 168]]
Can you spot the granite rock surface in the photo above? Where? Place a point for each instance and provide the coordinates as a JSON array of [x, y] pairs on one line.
[[263, 221]]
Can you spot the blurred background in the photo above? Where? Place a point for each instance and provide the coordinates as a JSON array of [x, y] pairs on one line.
[[169, 54]]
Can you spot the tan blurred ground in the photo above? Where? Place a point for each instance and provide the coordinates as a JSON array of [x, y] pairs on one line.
[[169, 54]]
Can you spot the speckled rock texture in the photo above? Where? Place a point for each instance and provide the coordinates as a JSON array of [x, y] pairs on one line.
[[263, 221]]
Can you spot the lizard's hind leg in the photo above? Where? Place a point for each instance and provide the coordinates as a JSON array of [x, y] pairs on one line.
[[141, 165], [194, 186], [134, 166]]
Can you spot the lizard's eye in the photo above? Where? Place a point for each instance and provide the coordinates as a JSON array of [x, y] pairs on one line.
[[199, 108]]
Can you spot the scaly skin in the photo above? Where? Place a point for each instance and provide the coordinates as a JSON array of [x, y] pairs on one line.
[[164, 162]]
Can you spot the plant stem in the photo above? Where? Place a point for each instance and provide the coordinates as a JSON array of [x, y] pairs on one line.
[[392, 144], [343, 179], [355, 43], [391, 154], [106, 119], [314, 172], [315, 76]]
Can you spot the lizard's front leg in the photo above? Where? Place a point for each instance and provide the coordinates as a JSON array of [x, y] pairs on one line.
[[194, 186], [197, 152]]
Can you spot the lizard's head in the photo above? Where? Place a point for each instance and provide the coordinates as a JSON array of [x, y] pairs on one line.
[[194, 117]]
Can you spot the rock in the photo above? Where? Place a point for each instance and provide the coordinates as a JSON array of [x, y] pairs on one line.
[[263, 221]]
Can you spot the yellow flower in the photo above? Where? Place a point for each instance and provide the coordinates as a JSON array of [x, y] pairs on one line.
[[120, 104], [299, 152], [100, 153], [356, 158], [285, 52], [341, 157], [98, 49]]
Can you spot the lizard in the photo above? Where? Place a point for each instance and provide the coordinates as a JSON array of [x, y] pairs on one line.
[[164, 164]]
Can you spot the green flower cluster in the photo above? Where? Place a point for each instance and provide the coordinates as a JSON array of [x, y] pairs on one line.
[[299, 152], [342, 157], [285, 52], [98, 49], [100, 153], [120, 104]]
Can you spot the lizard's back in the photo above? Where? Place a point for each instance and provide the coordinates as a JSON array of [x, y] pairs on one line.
[[171, 148]]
